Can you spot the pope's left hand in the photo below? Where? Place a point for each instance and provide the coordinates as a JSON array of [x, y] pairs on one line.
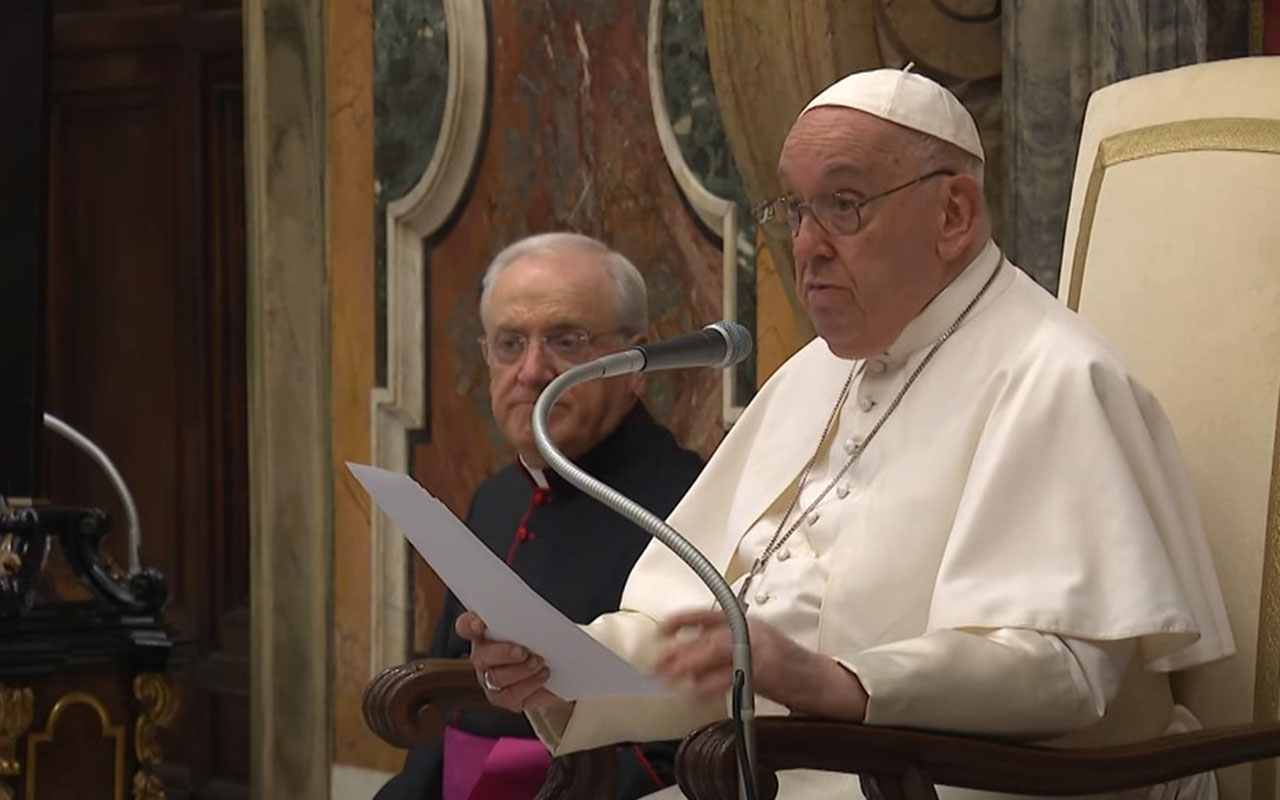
[[806, 682]]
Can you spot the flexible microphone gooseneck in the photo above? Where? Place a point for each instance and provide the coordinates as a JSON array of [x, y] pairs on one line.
[[717, 345]]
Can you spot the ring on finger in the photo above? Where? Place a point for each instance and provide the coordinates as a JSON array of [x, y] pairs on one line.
[[488, 682]]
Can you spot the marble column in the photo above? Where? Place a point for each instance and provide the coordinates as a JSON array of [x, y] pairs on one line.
[[1055, 55], [289, 397]]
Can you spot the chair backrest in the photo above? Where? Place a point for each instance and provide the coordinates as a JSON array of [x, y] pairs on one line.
[[1173, 252]]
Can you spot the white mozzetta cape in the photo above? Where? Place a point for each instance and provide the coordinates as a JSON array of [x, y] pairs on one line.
[[1026, 481]]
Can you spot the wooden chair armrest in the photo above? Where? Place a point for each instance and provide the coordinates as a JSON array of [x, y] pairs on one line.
[[396, 705], [396, 701], [898, 763]]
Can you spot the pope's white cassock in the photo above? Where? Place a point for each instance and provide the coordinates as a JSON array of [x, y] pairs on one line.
[[1017, 552]]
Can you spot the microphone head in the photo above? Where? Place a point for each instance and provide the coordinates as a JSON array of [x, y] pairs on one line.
[[737, 341]]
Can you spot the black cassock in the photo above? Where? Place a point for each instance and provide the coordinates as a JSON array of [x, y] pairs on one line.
[[577, 554]]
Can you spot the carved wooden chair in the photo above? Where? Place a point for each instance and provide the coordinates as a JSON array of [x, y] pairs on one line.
[[1173, 252]]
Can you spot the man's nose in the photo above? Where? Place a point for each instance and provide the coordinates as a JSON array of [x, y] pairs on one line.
[[811, 242], [535, 367]]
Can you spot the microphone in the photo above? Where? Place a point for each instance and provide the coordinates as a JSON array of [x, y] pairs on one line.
[[718, 345]]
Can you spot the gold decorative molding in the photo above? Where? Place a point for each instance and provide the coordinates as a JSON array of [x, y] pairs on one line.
[[10, 561], [146, 786], [159, 707], [1220, 133], [17, 705], [109, 731]]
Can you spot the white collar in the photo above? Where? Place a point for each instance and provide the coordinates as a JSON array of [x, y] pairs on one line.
[[942, 311], [539, 476]]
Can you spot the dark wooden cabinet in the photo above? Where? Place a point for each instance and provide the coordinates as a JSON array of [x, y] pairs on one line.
[[144, 352], [85, 704]]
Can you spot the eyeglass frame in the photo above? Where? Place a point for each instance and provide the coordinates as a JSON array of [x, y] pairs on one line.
[[587, 338], [796, 206]]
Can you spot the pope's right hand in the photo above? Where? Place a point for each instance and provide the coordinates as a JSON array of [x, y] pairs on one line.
[[512, 677]]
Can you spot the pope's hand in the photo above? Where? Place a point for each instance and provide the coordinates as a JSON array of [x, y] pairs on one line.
[[804, 681], [512, 677]]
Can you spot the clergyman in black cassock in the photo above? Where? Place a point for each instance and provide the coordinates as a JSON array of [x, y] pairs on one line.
[[576, 553]]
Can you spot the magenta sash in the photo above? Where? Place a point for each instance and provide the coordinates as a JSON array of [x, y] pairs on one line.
[[480, 768]]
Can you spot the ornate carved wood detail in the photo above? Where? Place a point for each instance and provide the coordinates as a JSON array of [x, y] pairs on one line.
[[397, 703], [159, 699], [17, 705], [80, 532]]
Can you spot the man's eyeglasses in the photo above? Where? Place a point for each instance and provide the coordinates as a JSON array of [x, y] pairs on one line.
[[839, 213], [565, 347]]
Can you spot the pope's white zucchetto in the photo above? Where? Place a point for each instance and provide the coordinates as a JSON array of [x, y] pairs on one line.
[[910, 100]]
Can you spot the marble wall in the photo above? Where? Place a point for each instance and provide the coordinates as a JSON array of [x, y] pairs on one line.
[[289, 393], [352, 236], [570, 145], [411, 70]]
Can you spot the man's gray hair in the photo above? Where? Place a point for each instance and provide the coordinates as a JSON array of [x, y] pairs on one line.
[[630, 295], [934, 153]]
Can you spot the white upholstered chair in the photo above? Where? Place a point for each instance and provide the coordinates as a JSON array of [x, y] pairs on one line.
[[1173, 252]]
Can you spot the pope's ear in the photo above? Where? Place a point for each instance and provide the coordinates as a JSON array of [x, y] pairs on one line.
[[962, 215]]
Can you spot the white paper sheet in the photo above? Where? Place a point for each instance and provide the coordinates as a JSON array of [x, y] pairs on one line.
[[580, 666]]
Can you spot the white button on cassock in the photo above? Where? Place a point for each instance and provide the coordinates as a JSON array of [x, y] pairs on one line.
[[877, 367], [866, 404], [842, 491], [762, 598], [784, 554], [813, 518]]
